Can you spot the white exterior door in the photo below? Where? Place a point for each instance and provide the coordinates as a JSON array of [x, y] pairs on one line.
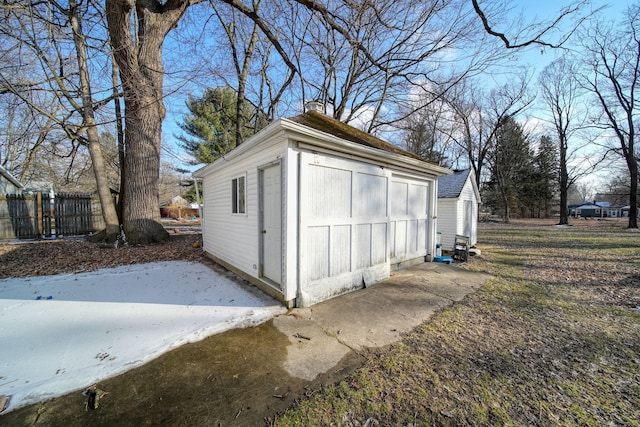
[[468, 219], [271, 224]]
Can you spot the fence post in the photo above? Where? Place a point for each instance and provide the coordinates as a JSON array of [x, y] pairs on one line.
[[38, 215]]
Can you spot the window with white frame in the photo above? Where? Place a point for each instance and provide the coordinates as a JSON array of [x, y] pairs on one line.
[[238, 195]]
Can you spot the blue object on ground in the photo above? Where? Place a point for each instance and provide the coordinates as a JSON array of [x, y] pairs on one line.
[[443, 258]]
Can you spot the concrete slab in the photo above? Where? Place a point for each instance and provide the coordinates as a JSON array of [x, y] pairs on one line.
[[372, 317], [312, 350]]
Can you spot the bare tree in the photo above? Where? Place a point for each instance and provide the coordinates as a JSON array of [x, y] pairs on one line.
[[137, 30], [25, 135], [613, 77], [243, 46], [479, 116], [256, 81], [62, 28], [525, 34], [428, 130], [112, 225], [562, 96], [363, 60], [404, 40]]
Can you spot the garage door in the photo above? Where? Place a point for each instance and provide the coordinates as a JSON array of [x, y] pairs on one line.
[[409, 224]]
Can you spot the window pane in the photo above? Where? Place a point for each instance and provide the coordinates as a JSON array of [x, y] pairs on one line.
[[241, 196], [234, 196]]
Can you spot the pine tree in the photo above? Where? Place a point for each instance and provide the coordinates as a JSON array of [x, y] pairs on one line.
[[546, 176], [511, 168], [210, 126]]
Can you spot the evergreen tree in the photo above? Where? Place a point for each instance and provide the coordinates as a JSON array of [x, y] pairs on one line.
[[511, 168], [545, 178], [210, 126]]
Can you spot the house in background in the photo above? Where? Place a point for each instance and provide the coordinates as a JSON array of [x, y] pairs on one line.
[[310, 208], [458, 201], [8, 183], [598, 210], [179, 208]]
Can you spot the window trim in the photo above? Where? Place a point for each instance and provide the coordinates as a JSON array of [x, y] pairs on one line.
[[239, 195]]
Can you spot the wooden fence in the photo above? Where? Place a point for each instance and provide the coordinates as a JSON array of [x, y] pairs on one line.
[[40, 216]]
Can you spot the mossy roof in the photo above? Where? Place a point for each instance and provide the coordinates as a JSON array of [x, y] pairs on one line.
[[324, 123]]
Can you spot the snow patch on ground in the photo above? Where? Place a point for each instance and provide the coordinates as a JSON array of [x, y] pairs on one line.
[[63, 333]]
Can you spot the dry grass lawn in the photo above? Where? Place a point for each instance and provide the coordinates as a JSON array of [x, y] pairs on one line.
[[553, 340]]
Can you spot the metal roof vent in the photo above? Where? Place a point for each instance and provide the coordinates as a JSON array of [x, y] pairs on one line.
[[314, 106]]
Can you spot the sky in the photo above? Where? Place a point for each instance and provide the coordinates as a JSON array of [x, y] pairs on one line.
[[542, 9]]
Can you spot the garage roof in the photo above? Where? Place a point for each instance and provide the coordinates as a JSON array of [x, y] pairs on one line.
[[324, 123]]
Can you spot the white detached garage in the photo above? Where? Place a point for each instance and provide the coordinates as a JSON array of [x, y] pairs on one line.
[[310, 208]]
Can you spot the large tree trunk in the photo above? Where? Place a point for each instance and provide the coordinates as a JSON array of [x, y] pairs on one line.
[[564, 184], [141, 213], [633, 194], [142, 74], [95, 150], [119, 133]]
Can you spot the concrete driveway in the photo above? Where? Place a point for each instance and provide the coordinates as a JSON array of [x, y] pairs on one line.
[[320, 336]]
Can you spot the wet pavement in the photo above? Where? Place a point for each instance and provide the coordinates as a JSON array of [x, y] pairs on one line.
[[320, 336]]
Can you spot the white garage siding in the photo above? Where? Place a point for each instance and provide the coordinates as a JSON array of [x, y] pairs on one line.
[[458, 215], [350, 210], [343, 226], [234, 238], [447, 222], [468, 213]]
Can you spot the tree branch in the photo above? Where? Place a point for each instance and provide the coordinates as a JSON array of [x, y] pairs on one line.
[[537, 39]]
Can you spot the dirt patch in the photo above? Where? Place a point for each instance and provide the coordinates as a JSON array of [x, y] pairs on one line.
[[554, 339], [48, 257]]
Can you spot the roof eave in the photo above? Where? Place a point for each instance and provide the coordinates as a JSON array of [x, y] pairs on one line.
[[11, 178], [271, 130], [313, 137], [316, 138]]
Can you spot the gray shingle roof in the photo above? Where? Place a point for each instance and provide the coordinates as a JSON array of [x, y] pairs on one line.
[[450, 186]]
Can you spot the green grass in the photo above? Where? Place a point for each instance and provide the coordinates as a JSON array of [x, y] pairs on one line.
[[554, 339]]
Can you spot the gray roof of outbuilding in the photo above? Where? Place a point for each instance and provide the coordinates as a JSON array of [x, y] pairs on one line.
[[450, 186]]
